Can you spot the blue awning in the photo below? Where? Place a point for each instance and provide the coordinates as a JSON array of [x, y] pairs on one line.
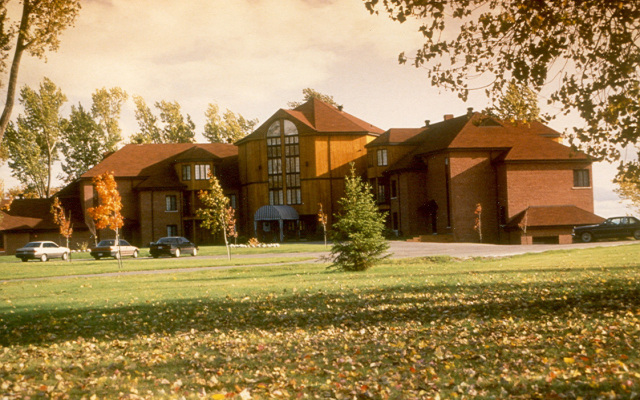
[[276, 213]]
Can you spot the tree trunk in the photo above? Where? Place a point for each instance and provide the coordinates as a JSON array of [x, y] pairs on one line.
[[15, 66]]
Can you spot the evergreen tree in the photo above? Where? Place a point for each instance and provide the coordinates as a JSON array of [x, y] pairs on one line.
[[309, 94], [358, 243], [518, 104]]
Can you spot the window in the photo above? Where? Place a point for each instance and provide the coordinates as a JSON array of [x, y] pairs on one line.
[[581, 178], [171, 203], [172, 230], [382, 193], [186, 172], [283, 169], [394, 189], [232, 201], [382, 157], [202, 171]]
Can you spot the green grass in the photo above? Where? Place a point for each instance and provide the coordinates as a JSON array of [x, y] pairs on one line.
[[563, 324]]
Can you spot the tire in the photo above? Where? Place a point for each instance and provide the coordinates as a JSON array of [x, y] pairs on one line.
[[154, 255], [24, 259], [117, 256], [177, 253], [195, 252], [135, 254], [586, 237], [97, 258], [44, 258], [65, 256]]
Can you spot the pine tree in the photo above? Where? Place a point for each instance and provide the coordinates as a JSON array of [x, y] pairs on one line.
[[358, 243]]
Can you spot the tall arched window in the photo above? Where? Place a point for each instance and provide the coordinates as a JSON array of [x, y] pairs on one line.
[[283, 134]]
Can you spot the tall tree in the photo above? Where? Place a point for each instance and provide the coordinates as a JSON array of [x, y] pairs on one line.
[[176, 128], [106, 109], [518, 104], [83, 144], [59, 218], [226, 128], [358, 243], [41, 23], [33, 145], [215, 212], [587, 49], [309, 94], [107, 214]]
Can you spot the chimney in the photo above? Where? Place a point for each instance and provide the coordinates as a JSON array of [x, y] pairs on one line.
[[340, 107], [426, 123], [448, 116], [469, 111]]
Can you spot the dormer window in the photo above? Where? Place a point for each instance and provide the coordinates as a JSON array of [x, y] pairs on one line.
[[202, 171], [382, 157], [186, 172]]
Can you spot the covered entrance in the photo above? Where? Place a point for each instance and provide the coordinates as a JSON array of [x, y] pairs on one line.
[[269, 222]]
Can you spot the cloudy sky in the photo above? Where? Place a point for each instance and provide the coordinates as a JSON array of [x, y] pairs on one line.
[[252, 57]]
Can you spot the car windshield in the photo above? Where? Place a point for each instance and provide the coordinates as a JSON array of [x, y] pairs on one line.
[[167, 240], [105, 243], [33, 244]]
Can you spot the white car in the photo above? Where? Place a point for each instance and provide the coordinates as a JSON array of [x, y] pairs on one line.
[[42, 251], [108, 248]]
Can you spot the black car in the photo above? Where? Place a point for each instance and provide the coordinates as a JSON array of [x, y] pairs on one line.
[[172, 246], [611, 228]]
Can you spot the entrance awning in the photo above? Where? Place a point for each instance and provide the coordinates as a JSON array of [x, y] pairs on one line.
[[275, 213]]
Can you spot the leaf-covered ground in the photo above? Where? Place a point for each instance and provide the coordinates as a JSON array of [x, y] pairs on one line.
[[551, 326]]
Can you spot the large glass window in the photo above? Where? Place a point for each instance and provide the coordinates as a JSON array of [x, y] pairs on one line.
[[283, 166]]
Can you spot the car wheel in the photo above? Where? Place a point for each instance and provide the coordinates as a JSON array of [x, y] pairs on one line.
[[65, 256], [97, 257], [177, 253], [117, 256], [586, 237], [194, 252], [24, 259], [44, 258], [636, 234], [154, 255], [135, 254]]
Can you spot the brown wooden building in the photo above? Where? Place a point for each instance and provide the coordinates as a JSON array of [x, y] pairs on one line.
[[296, 160]]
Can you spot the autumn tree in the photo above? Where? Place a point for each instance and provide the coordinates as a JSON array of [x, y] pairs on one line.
[[358, 241], [322, 219], [628, 189], [586, 52], [33, 145], [41, 23], [226, 128], [215, 211], [107, 214], [60, 219], [175, 128], [309, 94]]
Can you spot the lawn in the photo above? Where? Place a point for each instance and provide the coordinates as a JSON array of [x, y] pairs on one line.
[[562, 324]]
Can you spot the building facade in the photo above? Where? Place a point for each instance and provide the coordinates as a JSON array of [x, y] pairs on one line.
[[469, 178]]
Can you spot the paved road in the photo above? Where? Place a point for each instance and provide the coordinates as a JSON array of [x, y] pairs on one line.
[[396, 248]]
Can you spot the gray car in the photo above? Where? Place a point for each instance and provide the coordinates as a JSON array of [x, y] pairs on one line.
[[43, 251]]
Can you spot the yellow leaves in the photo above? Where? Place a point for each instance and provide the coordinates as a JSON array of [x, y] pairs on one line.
[[107, 214], [569, 360]]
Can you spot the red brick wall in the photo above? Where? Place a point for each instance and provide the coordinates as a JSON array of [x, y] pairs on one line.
[[548, 184], [153, 215], [412, 193], [473, 181]]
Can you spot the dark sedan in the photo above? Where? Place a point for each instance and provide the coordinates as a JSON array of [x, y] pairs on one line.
[[611, 228], [172, 246]]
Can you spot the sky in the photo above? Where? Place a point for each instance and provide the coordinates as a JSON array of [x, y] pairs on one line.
[[252, 57]]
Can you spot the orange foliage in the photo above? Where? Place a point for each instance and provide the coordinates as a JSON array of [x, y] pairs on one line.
[[60, 219], [107, 214]]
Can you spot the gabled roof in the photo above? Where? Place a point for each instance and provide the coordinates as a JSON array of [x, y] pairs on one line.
[[143, 160], [28, 214], [547, 216], [521, 142], [320, 117], [395, 136]]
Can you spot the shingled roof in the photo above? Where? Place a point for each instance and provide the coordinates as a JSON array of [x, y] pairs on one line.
[[522, 142], [142, 160], [545, 216], [320, 117]]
